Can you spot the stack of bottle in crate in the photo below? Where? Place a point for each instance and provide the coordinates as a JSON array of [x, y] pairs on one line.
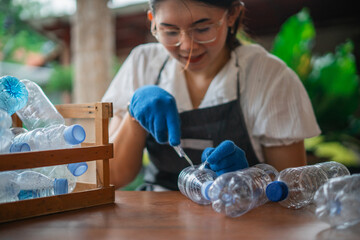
[[44, 129], [328, 185]]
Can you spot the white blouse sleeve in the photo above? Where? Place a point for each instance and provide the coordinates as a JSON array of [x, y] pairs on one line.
[[285, 113]]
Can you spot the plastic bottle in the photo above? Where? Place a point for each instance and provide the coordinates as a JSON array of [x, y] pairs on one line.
[[6, 136], [39, 111], [338, 201], [235, 193], [70, 172], [29, 184], [13, 94], [193, 181], [333, 169], [52, 137], [295, 187]]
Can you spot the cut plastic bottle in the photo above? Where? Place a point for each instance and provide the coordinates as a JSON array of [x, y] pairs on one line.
[[338, 201], [193, 181]]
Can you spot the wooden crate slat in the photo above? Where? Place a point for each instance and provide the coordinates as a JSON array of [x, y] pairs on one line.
[[55, 204], [54, 157], [77, 110]]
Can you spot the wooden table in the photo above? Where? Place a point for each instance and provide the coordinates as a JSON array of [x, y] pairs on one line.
[[171, 216]]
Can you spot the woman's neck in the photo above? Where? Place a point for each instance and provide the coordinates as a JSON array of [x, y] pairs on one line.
[[199, 81]]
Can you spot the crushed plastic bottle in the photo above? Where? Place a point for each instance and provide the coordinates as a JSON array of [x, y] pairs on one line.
[[236, 193], [29, 184], [338, 201], [193, 181], [52, 137], [39, 112], [296, 187]]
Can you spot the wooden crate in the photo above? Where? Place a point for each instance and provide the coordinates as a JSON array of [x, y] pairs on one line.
[[85, 195]]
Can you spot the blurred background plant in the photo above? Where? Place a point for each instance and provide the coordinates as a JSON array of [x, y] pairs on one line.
[[332, 83]]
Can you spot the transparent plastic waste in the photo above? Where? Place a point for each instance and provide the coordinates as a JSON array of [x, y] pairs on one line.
[[296, 187], [236, 193], [39, 112], [194, 180], [338, 201], [333, 169], [29, 184], [13, 94], [52, 137], [6, 136]]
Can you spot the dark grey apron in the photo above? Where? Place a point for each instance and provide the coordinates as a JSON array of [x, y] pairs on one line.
[[200, 128]]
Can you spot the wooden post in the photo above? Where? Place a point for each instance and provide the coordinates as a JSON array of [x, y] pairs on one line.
[[93, 50]]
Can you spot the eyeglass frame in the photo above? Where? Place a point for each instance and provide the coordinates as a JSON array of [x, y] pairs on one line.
[[182, 31]]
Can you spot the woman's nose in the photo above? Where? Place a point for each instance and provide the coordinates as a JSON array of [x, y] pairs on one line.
[[187, 42]]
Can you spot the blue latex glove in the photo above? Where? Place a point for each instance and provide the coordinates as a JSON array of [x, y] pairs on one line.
[[226, 157], [155, 109]]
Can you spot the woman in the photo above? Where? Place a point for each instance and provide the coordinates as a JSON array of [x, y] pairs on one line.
[[200, 88]]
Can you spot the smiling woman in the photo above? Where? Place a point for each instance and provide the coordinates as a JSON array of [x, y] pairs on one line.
[[225, 103]]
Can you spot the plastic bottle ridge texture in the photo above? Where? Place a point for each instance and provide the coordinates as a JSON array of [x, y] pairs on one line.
[[236, 193], [296, 187]]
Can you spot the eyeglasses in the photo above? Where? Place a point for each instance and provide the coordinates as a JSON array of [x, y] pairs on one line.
[[205, 33]]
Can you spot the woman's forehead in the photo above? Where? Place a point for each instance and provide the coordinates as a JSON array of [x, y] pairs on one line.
[[177, 12]]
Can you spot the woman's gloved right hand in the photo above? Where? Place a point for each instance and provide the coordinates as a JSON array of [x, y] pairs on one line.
[[155, 109]]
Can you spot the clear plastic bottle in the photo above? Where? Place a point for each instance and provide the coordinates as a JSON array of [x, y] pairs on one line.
[[29, 184], [70, 172], [52, 137], [13, 94], [236, 193], [338, 201], [193, 181], [333, 169], [6, 136], [39, 112], [295, 187]]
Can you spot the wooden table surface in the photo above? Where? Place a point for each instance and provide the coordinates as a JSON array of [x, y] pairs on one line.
[[171, 216]]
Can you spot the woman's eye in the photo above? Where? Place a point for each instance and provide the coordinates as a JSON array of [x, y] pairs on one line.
[[202, 29], [171, 33]]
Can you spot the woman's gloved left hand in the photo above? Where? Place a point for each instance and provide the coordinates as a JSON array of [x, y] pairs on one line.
[[226, 157]]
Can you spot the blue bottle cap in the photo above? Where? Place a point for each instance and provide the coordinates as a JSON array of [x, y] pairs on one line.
[[19, 147], [77, 169], [13, 94], [74, 134], [205, 189], [60, 186], [277, 191]]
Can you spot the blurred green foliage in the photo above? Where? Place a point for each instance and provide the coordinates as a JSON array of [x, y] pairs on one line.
[[61, 79], [15, 34], [331, 81]]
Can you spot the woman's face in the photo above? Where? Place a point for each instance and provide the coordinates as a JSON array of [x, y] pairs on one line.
[[175, 15]]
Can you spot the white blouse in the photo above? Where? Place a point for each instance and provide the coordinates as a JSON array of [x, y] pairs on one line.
[[276, 107]]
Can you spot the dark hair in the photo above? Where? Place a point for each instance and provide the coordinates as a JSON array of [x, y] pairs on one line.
[[231, 41]]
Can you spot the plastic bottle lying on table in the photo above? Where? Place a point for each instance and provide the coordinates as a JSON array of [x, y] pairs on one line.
[[338, 201], [193, 180], [236, 193], [296, 187]]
